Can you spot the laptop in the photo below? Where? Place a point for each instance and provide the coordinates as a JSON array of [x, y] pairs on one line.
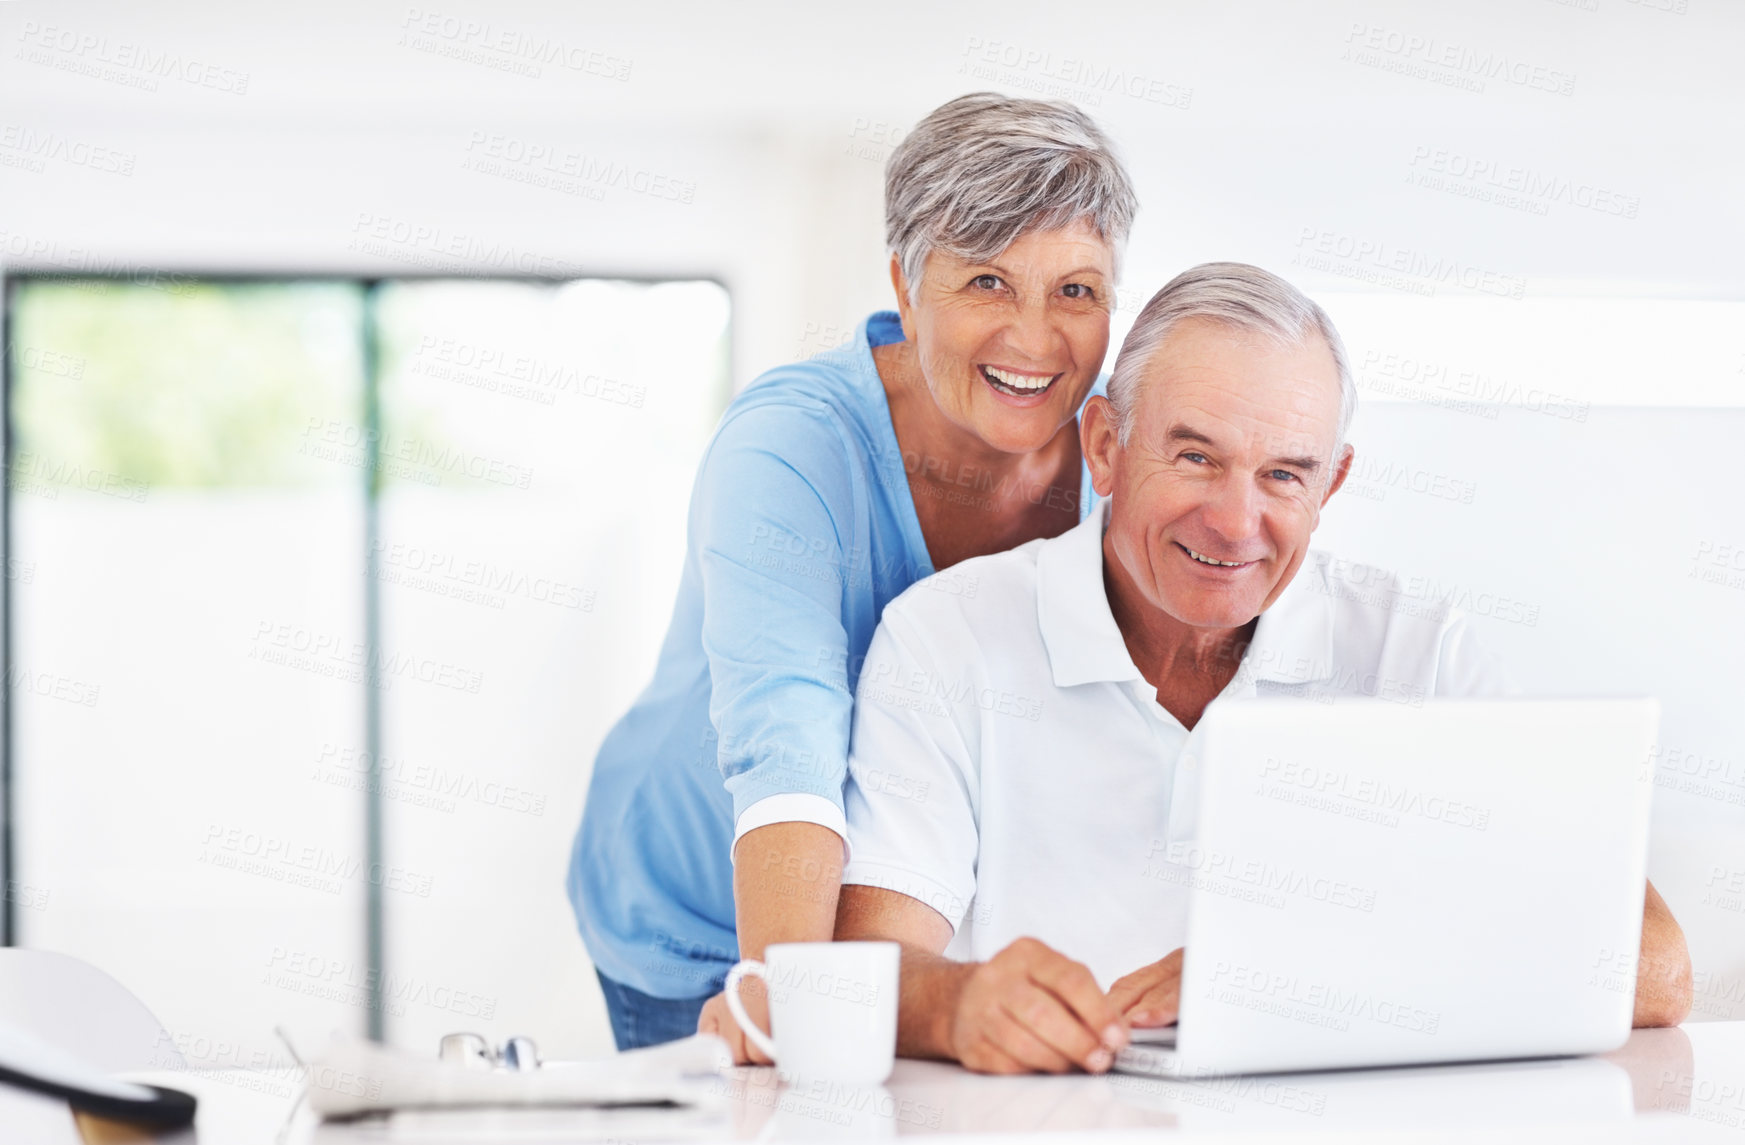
[[1376, 884]]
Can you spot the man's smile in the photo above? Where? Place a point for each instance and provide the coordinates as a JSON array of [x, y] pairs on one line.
[[1213, 562]]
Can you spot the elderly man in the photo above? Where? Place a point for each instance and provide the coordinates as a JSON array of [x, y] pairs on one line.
[[1019, 740]]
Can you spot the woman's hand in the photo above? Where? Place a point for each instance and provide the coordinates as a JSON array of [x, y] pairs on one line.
[[785, 881], [1151, 995], [717, 1019]]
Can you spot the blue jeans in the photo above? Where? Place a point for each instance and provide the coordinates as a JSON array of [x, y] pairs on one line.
[[640, 1019]]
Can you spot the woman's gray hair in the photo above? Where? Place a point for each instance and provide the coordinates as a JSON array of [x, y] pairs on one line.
[[1243, 296], [984, 169]]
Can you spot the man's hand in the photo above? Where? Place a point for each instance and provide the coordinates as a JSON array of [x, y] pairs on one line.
[[1031, 1008], [1151, 995], [717, 1019], [1027, 1008]]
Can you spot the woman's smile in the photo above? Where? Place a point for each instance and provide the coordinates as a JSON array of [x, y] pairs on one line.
[[1019, 386]]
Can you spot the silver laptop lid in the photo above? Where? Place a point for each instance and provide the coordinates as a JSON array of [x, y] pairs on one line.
[[1378, 883]]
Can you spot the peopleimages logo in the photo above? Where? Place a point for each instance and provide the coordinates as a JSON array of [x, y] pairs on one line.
[[563, 168], [37, 147], [1317, 1003], [919, 683], [302, 864], [1384, 263], [806, 980], [505, 49], [426, 461], [350, 660], [420, 783], [121, 61], [34, 472], [1284, 778], [346, 980], [1448, 62], [518, 375], [1488, 178], [447, 573], [1390, 373], [1044, 73], [1262, 875]]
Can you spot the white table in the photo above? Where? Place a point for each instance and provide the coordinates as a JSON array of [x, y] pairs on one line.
[[1666, 1085]]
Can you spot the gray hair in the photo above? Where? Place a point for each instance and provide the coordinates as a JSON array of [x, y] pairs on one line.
[[984, 169], [1243, 296]]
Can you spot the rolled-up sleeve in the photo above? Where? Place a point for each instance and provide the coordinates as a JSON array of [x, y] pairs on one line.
[[765, 524], [913, 786]]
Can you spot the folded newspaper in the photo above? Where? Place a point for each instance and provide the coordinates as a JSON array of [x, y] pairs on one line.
[[356, 1077]]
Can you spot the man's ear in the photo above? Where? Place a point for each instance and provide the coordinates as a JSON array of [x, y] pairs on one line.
[[905, 309], [1100, 441], [1340, 472]]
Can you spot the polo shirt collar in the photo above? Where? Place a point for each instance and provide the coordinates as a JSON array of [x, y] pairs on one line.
[[1293, 643], [1084, 644]]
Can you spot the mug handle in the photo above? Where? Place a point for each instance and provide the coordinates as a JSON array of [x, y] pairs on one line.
[[753, 968]]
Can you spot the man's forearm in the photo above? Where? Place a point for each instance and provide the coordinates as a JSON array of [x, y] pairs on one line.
[[928, 992], [1663, 975], [929, 985], [786, 878]]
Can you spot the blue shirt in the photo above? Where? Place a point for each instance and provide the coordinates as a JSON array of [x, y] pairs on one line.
[[801, 530]]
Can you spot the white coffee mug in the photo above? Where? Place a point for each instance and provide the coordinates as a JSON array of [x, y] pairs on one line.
[[832, 1005]]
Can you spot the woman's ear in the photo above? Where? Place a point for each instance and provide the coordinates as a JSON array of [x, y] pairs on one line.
[[905, 310], [1100, 441]]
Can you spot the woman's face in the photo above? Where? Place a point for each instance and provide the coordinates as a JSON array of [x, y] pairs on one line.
[[1010, 347]]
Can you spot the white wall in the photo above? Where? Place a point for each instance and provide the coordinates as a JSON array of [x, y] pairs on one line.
[[1275, 132], [772, 112], [1586, 545]]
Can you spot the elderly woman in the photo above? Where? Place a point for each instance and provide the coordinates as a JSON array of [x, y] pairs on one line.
[[946, 430]]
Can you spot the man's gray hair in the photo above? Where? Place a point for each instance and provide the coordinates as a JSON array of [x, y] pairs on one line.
[[984, 169], [1243, 296]]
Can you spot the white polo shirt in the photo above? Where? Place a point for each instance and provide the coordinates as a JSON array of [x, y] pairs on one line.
[[1011, 768]]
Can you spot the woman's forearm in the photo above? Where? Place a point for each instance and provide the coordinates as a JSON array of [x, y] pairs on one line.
[[786, 878]]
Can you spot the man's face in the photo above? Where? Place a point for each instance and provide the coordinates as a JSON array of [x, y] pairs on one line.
[[1230, 460]]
